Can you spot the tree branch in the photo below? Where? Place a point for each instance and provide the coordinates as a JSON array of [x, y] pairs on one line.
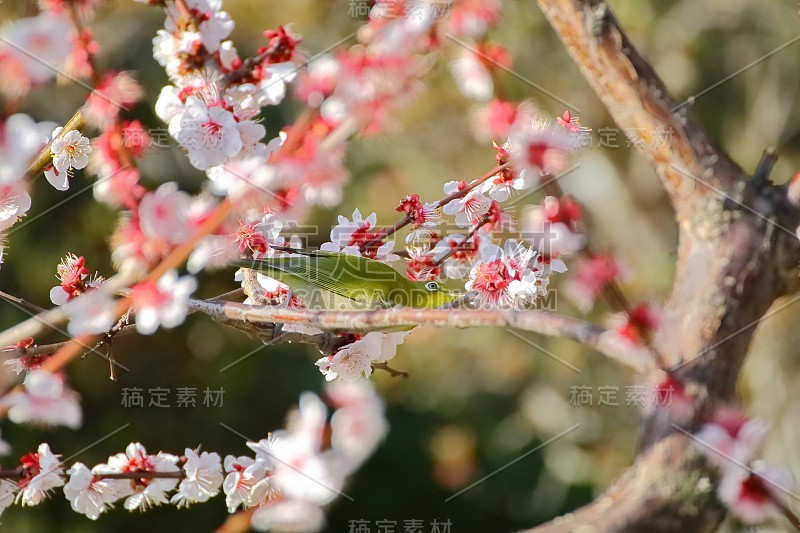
[[262, 318], [639, 102], [735, 259]]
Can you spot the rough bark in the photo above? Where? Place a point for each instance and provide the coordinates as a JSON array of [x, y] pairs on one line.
[[736, 257]]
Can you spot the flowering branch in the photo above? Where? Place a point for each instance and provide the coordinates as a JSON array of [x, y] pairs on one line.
[[45, 157], [604, 341], [294, 469], [406, 220]]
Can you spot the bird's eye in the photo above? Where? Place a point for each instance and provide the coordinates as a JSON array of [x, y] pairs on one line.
[[432, 286]]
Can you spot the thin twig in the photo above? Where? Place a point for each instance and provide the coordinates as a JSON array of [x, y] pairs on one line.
[[406, 220], [392, 371]]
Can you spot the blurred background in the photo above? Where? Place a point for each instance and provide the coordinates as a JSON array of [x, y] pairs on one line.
[[476, 399]]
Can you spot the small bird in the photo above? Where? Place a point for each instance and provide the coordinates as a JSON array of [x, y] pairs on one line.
[[329, 280]]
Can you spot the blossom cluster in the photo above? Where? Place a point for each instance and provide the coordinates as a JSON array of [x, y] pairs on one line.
[[291, 476], [160, 303]]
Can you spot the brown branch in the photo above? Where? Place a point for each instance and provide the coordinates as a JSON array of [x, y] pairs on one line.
[[671, 490], [639, 102], [262, 318]]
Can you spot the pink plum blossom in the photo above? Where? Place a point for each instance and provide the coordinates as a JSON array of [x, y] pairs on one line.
[[164, 213], [163, 303], [753, 494], [730, 436], [42, 473]]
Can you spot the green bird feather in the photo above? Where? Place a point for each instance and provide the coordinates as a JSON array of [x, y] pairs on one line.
[[328, 280]]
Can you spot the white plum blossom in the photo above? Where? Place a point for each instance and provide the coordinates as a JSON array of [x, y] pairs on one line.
[[251, 133], [169, 103], [203, 478], [228, 56], [242, 177], [90, 494], [46, 399], [90, 314], [554, 240], [210, 135], [349, 235], [500, 186], [163, 303], [70, 151], [50, 475], [215, 24], [213, 251], [136, 459], [164, 214], [350, 362], [389, 344], [20, 139], [271, 89], [346, 233], [168, 47], [468, 208], [247, 483], [293, 476], [354, 360], [14, 203]]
